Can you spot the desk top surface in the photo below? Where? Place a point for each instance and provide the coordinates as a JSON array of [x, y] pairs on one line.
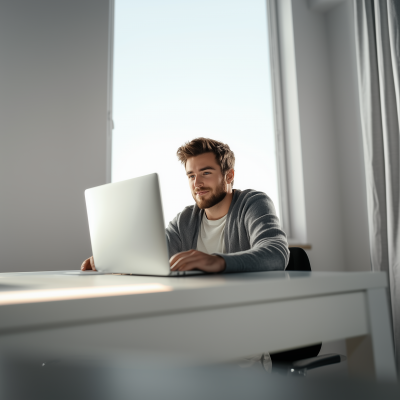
[[274, 285], [45, 298]]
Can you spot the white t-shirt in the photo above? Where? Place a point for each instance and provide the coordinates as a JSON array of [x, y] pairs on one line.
[[211, 235]]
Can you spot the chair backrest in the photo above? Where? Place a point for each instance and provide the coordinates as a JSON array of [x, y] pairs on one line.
[[298, 260]]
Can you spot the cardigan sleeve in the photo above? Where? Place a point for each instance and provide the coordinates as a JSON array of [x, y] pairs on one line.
[[268, 244]]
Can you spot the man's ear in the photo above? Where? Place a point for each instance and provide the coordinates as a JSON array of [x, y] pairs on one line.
[[230, 175]]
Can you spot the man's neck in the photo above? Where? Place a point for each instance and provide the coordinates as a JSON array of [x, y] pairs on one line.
[[220, 209]]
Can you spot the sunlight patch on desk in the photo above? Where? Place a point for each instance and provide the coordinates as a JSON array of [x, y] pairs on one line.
[[39, 296]]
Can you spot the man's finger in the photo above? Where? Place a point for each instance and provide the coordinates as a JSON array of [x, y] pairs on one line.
[[190, 261], [190, 266], [85, 264], [182, 260], [186, 256], [92, 263], [180, 256], [177, 256]]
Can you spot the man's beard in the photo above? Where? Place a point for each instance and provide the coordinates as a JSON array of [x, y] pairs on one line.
[[215, 198]]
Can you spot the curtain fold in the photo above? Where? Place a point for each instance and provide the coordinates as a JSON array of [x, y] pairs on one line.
[[378, 60]]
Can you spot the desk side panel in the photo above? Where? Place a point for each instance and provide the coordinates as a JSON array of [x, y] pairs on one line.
[[218, 334]]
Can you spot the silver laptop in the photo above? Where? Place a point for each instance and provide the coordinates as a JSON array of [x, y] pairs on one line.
[[127, 231]]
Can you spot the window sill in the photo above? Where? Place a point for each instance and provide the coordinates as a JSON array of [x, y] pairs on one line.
[[294, 243]]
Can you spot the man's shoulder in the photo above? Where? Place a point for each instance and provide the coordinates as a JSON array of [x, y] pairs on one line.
[[251, 195], [253, 199]]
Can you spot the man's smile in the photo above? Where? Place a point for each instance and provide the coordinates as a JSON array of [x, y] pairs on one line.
[[202, 193]]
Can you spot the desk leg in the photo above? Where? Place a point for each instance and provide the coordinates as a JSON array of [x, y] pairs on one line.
[[381, 334], [360, 360]]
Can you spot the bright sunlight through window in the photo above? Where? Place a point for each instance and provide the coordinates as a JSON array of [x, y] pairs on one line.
[[190, 68]]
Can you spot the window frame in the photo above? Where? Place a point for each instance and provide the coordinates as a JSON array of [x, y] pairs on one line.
[[110, 77], [276, 86]]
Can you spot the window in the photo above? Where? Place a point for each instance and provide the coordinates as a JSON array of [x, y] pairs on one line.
[[189, 68]]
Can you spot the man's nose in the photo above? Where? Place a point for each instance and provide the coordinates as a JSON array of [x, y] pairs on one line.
[[198, 182]]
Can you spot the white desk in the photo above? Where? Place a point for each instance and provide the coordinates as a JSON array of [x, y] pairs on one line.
[[215, 317]]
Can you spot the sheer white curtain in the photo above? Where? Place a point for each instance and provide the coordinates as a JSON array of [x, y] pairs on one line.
[[378, 57]]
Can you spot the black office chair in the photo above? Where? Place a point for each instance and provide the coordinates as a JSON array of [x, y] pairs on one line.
[[298, 361]]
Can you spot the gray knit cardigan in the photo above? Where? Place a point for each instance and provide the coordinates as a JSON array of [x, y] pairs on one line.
[[254, 240]]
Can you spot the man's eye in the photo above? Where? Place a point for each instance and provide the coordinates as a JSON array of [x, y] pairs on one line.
[[191, 176]]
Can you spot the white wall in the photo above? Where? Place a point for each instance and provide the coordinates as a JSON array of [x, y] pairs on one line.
[[53, 113], [331, 140], [318, 139], [353, 204]]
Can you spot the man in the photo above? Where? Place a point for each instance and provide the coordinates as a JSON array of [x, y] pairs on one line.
[[227, 230]]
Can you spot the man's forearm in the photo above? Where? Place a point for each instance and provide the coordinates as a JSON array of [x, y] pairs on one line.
[[272, 258]]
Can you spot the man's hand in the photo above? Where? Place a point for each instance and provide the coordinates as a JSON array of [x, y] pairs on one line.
[[193, 259], [88, 264]]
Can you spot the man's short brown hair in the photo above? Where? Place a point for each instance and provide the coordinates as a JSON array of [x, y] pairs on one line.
[[223, 154]]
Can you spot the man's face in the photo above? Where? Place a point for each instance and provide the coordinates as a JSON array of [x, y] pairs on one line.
[[207, 184]]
